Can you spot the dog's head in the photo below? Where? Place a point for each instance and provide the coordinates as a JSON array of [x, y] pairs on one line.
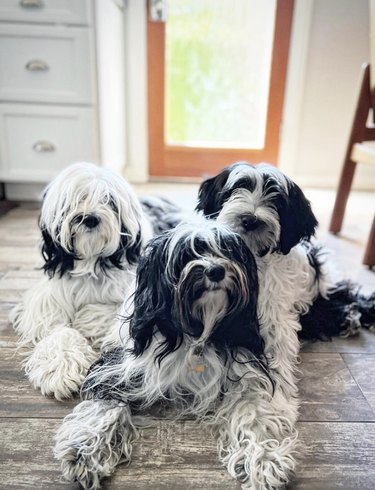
[[91, 217], [198, 280], [259, 202]]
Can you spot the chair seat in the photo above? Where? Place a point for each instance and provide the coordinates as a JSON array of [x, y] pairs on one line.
[[364, 152]]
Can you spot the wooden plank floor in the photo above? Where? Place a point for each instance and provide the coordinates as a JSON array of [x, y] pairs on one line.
[[337, 386]]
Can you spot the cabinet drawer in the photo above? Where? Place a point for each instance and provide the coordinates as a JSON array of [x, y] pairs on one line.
[[48, 11], [46, 64], [38, 141]]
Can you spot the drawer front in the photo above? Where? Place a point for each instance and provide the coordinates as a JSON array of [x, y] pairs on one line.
[[46, 64], [77, 12], [36, 142]]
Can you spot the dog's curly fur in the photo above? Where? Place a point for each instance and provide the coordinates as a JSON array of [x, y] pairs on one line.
[[93, 230], [207, 338], [276, 221]]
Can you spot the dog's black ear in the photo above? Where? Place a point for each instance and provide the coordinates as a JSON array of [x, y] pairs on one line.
[[55, 257], [153, 300], [134, 250], [210, 194], [128, 249], [297, 221]]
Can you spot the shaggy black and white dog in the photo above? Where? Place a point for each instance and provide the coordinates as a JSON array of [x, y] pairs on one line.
[[195, 339], [276, 221], [93, 231]]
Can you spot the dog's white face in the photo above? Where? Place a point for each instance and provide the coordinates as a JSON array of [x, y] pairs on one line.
[[261, 204], [90, 214], [91, 227], [250, 208]]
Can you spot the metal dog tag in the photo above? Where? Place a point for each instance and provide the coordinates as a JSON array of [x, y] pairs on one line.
[[198, 362]]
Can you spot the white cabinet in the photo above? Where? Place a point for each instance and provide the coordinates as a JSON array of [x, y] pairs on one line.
[[38, 141], [54, 86], [46, 64], [70, 12]]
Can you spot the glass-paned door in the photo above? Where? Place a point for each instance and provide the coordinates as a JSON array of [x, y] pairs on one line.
[[216, 83]]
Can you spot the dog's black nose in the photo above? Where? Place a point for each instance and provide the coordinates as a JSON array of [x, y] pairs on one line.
[[91, 221], [249, 222], [215, 273]]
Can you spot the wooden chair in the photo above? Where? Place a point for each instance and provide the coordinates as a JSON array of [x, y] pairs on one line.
[[360, 149]]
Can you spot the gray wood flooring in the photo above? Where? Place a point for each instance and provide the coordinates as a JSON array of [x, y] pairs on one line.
[[336, 424]]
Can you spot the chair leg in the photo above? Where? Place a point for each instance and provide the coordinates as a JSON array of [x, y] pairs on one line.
[[358, 134], [342, 195], [369, 257]]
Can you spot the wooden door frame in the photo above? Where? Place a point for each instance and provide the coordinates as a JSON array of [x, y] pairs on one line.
[[177, 162]]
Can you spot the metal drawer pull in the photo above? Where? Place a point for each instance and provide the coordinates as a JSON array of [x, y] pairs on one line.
[[44, 147], [30, 4], [37, 65]]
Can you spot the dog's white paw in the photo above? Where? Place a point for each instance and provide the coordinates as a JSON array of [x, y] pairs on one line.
[[265, 464], [259, 470], [93, 440], [59, 363]]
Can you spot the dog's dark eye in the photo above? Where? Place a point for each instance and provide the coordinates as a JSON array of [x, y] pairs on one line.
[[113, 205], [181, 260], [270, 186], [244, 183], [225, 195]]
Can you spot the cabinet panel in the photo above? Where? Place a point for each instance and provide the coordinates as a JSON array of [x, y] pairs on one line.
[[46, 64], [48, 11], [36, 142]]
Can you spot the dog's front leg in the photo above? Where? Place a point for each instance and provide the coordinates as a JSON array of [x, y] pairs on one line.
[[98, 434], [98, 323], [59, 363], [256, 444], [93, 440], [42, 309]]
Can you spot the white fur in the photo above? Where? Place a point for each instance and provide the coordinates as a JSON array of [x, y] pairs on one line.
[[255, 431], [59, 362], [64, 321], [254, 426], [102, 432], [300, 284]]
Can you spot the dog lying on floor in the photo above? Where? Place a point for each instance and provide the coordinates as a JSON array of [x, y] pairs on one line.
[[206, 337], [93, 229], [275, 219]]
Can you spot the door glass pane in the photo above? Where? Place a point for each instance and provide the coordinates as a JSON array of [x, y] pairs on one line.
[[218, 64]]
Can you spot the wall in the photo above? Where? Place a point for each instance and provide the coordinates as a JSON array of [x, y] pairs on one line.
[[330, 42], [337, 44]]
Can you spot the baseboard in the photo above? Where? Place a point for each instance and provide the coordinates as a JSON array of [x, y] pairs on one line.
[[24, 192]]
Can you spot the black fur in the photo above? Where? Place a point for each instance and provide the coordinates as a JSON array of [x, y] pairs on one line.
[[112, 388], [334, 316], [297, 221], [162, 213], [132, 251], [57, 260], [152, 301], [316, 256], [157, 307], [210, 197]]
